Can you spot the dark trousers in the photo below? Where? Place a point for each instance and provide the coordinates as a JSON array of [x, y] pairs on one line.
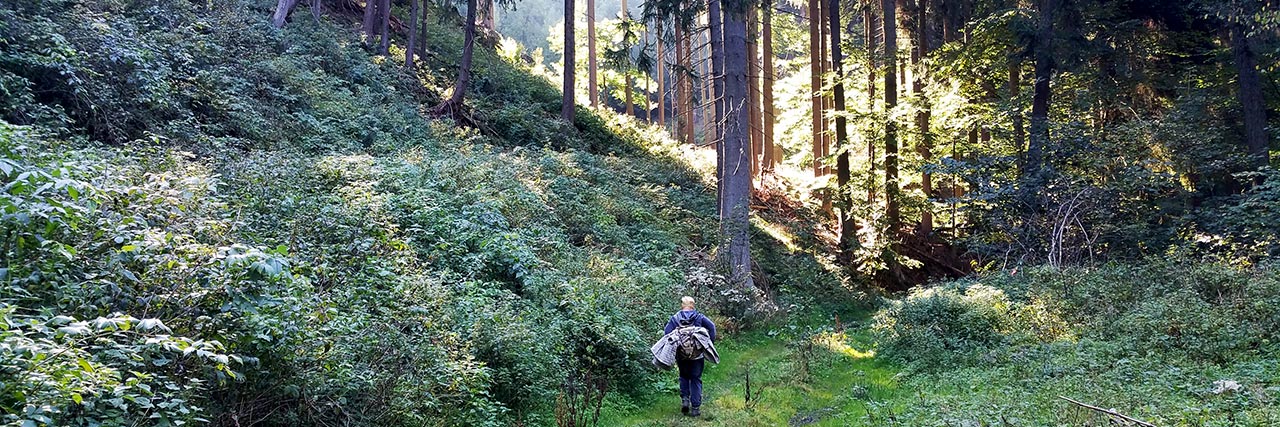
[[691, 380]]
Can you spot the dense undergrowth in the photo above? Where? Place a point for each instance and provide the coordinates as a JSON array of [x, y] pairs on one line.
[[208, 219]]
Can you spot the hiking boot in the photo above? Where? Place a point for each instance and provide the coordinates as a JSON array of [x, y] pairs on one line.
[[684, 405], [695, 412]]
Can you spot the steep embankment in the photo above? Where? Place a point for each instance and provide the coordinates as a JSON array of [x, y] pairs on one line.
[[208, 219]]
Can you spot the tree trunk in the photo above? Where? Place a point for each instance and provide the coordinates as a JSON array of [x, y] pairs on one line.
[[770, 157], [593, 91], [567, 104], [848, 237], [1040, 102], [662, 84], [753, 94], [815, 83], [892, 214], [1250, 96], [823, 70], [631, 109], [737, 151], [686, 58], [1015, 90], [385, 26], [370, 15], [422, 29], [453, 106], [869, 16], [716, 33], [923, 116], [413, 34], [283, 7]]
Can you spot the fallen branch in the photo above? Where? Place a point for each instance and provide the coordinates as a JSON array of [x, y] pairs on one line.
[[1108, 412]]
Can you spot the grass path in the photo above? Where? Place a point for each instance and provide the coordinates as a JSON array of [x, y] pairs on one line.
[[825, 383]]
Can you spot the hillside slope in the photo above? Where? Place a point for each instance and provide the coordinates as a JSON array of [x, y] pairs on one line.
[[208, 219]]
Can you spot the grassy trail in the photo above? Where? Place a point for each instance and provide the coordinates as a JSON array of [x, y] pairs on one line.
[[828, 382]]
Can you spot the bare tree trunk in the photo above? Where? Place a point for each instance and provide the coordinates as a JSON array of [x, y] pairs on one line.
[[753, 94], [422, 30], [869, 16], [686, 58], [1015, 89], [715, 26], [413, 34], [593, 91], [815, 82], [370, 15], [662, 84], [385, 10], [823, 70], [892, 214], [737, 151], [770, 157], [1250, 96], [631, 109], [567, 104], [848, 237], [453, 106], [283, 7], [1040, 102], [923, 116]]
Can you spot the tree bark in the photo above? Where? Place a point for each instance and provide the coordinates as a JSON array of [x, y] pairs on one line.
[[453, 106], [662, 84], [815, 82], [370, 15], [631, 109], [593, 91], [567, 104], [686, 58], [422, 30], [1250, 96], [923, 116], [1041, 99], [770, 157], [283, 7], [1015, 90], [848, 237], [413, 34], [869, 16], [753, 94], [385, 26], [715, 26], [892, 214], [737, 151]]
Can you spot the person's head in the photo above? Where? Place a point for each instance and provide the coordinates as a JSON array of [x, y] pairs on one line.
[[686, 303]]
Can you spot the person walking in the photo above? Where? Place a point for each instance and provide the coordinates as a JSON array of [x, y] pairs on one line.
[[695, 334]]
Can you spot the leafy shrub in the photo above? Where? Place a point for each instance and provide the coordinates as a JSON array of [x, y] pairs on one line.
[[933, 325]]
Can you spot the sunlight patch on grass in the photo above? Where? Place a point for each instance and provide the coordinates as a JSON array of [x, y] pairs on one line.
[[839, 343], [777, 232]]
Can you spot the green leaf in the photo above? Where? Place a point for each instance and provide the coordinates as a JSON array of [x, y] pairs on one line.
[[76, 397], [84, 364]]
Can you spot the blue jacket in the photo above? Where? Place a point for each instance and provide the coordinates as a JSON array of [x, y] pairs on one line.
[[694, 318]]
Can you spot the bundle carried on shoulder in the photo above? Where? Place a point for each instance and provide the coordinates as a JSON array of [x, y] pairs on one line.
[[687, 342]]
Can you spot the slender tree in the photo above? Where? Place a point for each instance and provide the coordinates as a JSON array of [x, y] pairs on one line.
[[422, 29], [1015, 90], [1040, 102], [1250, 91], [662, 85], [453, 106], [736, 218], [592, 70], [848, 239], [869, 17], [892, 214], [815, 82], [715, 30], [385, 27], [567, 104], [413, 34], [686, 71], [624, 16], [753, 92], [925, 147], [770, 156]]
